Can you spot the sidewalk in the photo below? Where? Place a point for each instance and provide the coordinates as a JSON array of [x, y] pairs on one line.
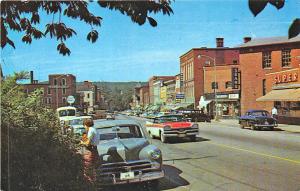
[[284, 127]]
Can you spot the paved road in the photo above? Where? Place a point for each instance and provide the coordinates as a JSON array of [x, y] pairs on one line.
[[229, 158]]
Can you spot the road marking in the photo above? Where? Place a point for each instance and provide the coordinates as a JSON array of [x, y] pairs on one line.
[[257, 153]]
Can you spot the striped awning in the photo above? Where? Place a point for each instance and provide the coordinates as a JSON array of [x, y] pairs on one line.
[[281, 95]]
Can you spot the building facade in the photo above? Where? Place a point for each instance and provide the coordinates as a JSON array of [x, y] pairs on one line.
[[270, 76], [151, 82], [192, 66], [56, 90], [90, 95]]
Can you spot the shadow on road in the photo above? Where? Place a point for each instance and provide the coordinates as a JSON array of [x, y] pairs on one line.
[[185, 140], [171, 180]]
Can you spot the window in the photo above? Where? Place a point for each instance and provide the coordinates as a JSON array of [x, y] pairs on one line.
[[55, 82], [49, 90], [88, 95], [266, 60], [214, 85], [286, 58], [235, 62], [63, 91], [264, 87], [228, 84], [64, 100], [63, 81], [48, 100]]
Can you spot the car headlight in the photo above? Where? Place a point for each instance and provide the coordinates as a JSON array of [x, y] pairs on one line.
[[195, 126], [155, 154], [167, 127]]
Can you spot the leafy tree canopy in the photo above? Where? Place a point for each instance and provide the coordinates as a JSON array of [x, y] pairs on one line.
[[24, 16], [256, 6]]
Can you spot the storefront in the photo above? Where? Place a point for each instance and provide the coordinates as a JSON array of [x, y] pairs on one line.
[[226, 103], [284, 94]]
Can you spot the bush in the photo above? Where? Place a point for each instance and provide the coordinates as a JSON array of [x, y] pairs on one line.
[[34, 155]]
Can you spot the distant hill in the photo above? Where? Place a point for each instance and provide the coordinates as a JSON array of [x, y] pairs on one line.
[[117, 85]]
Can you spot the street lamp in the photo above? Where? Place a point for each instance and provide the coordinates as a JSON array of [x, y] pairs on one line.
[[215, 83]]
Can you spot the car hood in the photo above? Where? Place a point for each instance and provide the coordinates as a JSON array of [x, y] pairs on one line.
[[119, 150], [178, 124]]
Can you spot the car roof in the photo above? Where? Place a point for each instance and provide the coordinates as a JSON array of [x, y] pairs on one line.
[[112, 123], [254, 110], [170, 115]]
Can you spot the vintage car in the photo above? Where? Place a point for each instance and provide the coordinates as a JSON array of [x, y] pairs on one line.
[[195, 115], [110, 116], [75, 124], [168, 126], [125, 155], [257, 120]]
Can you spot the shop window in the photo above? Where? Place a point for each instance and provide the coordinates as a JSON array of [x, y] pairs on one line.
[[88, 95], [286, 58], [55, 82], [264, 87], [266, 59]]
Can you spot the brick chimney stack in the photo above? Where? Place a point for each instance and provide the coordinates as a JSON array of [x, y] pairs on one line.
[[247, 39], [220, 42]]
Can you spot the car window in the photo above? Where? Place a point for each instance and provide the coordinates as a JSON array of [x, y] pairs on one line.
[[123, 132], [171, 118], [67, 112], [260, 113], [76, 122]]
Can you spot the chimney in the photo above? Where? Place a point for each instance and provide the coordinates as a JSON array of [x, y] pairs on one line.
[[220, 42], [247, 39], [31, 77]]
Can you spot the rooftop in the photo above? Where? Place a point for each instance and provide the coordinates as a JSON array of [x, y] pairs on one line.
[[269, 41]]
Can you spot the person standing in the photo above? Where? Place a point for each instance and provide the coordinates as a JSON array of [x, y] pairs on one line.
[[90, 155], [274, 112]]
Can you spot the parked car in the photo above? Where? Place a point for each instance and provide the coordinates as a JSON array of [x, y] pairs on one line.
[[125, 154], [110, 116], [75, 125], [196, 115], [167, 126], [257, 120]]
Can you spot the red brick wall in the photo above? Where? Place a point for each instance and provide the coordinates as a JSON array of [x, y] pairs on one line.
[[253, 73]]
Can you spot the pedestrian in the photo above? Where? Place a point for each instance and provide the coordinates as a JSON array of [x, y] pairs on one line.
[[274, 112], [90, 155]]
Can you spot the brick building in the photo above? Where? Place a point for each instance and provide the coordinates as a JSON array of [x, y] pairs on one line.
[[91, 97], [270, 76], [227, 92], [56, 90], [151, 82], [144, 95], [192, 68]]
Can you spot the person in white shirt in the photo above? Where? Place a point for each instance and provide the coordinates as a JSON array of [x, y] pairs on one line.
[[274, 112]]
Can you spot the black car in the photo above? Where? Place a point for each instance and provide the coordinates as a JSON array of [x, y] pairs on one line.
[[196, 115], [257, 120]]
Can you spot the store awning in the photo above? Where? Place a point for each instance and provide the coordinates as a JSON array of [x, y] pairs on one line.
[[281, 95]]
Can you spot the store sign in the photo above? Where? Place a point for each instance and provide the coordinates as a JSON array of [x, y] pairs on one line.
[[235, 75], [233, 96], [180, 96], [222, 96], [285, 78]]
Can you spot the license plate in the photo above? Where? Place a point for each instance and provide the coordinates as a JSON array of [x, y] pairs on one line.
[[127, 175], [181, 135]]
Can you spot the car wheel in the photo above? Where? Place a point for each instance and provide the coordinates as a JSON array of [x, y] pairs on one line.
[[163, 138], [271, 128], [193, 138], [241, 125]]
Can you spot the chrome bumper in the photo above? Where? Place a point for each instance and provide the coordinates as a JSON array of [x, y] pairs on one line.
[[180, 133], [141, 177]]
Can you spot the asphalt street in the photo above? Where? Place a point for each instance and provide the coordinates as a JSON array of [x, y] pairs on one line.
[[229, 158]]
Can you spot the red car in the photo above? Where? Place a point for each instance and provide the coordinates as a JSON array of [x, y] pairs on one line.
[[168, 126]]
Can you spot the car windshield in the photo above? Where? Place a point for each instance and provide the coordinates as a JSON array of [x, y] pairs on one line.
[[67, 112], [121, 132], [259, 113], [171, 118]]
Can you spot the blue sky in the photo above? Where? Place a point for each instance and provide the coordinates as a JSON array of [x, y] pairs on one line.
[[126, 51]]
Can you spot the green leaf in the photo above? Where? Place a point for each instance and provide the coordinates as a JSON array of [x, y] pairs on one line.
[[294, 29], [256, 6]]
